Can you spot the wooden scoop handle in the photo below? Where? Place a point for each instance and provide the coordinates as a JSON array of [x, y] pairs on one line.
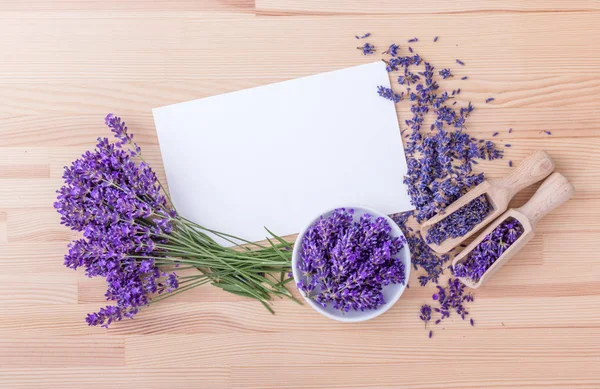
[[554, 191], [532, 169]]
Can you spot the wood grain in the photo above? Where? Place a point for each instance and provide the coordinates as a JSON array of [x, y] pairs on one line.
[[67, 63]]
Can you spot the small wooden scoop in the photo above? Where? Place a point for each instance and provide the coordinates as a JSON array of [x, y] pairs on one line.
[[499, 192], [552, 193]]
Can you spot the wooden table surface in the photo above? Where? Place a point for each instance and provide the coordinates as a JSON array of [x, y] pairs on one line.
[[65, 64]]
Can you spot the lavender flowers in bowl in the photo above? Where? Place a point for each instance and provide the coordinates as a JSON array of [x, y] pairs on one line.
[[351, 264]]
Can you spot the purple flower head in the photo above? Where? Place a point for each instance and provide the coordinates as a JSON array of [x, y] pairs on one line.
[[425, 313], [388, 93], [445, 73], [392, 50], [367, 48]]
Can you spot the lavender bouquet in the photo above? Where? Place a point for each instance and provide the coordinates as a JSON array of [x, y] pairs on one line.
[[134, 237]]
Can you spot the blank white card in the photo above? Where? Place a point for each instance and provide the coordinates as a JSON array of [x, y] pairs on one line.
[[280, 154]]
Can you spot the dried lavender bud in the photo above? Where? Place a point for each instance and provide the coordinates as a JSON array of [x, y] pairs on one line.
[[510, 163], [464, 78], [510, 130], [430, 334], [410, 49], [388, 93], [507, 145], [495, 134], [547, 132], [458, 61], [347, 263], [368, 34], [460, 222], [367, 48], [489, 99], [445, 73], [479, 260], [425, 313], [413, 40], [472, 322], [435, 39], [392, 50]]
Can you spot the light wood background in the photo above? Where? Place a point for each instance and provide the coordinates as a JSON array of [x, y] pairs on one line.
[[65, 64]]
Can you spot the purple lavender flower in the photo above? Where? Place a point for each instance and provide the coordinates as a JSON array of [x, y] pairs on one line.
[[368, 34], [445, 73], [547, 132], [489, 250], [460, 222], [458, 61], [464, 78], [435, 39], [489, 100], [367, 48], [392, 50], [425, 313], [388, 93], [413, 40], [346, 263]]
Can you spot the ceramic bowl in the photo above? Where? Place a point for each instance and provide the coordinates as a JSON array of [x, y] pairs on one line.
[[391, 292]]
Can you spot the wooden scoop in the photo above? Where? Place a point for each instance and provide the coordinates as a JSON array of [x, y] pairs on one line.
[[552, 193], [499, 192]]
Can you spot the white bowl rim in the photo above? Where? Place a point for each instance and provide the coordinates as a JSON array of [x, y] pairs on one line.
[[366, 315]]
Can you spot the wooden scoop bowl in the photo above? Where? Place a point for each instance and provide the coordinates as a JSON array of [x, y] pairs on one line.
[[499, 192], [552, 193]]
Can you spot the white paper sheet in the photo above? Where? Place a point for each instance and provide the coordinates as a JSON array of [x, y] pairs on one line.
[[278, 155]]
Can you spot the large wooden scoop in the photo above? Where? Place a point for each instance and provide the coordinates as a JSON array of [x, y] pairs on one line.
[[552, 193], [499, 192]]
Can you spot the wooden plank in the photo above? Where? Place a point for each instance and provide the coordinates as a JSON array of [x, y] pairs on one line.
[[63, 351], [110, 377], [387, 7], [260, 349], [420, 375]]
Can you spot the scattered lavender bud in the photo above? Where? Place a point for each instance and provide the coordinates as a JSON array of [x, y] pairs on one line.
[[458, 61], [388, 93], [430, 334], [547, 132], [510, 130], [464, 78], [425, 313], [489, 250], [461, 221], [413, 40], [489, 99], [392, 50], [507, 145], [410, 49], [510, 163], [368, 34], [458, 91], [435, 39], [367, 48], [445, 73], [495, 134], [472, 322]]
